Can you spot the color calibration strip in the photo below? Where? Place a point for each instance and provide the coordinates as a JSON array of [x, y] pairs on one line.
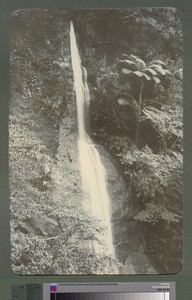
[[110, 296], [95, 291]]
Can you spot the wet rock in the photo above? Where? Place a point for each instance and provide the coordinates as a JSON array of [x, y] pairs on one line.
[[40, 226], [127, 239]]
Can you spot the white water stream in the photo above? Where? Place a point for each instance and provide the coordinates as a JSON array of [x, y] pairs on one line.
[[95, 196]]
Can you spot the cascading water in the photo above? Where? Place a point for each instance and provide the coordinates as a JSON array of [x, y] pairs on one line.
[[95, 196]]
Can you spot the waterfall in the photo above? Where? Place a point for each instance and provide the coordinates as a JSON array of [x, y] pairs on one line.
[[93, 175]]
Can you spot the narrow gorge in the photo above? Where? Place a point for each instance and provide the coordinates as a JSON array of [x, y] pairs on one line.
[[95, 142]]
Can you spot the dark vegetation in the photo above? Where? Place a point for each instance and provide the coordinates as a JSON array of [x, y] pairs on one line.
[[137, 116], [48, 232], [134, 64]]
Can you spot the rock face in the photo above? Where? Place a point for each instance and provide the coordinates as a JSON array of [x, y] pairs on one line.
[[65, 172], [128, 242]]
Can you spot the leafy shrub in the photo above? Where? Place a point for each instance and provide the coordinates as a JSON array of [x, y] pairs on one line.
[[42, 61], [52, 240], [168, 123]]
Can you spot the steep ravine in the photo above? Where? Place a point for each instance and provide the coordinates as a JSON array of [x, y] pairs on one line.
[[56, 184], [67, 191], [128, 242]]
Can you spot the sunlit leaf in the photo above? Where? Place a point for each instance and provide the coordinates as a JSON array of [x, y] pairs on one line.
[[158, 61], [133, 57], [147, 76], [140, 64], [129, 64], [156, 79], [125, 55], [167, 72], [158, 68], [126, 71], [127, 61], [122, 101], [151, 71], [139, 74]]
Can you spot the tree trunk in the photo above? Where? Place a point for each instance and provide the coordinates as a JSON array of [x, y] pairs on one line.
[[140, 100], [139, 113]]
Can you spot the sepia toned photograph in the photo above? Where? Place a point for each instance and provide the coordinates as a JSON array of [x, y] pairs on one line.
[[96, 141]]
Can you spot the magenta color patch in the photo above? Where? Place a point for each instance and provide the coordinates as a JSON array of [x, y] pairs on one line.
[[53, 288]]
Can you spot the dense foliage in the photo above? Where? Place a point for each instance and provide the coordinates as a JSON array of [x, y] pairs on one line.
[[137, 116], [138, 121], [50, 232]]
